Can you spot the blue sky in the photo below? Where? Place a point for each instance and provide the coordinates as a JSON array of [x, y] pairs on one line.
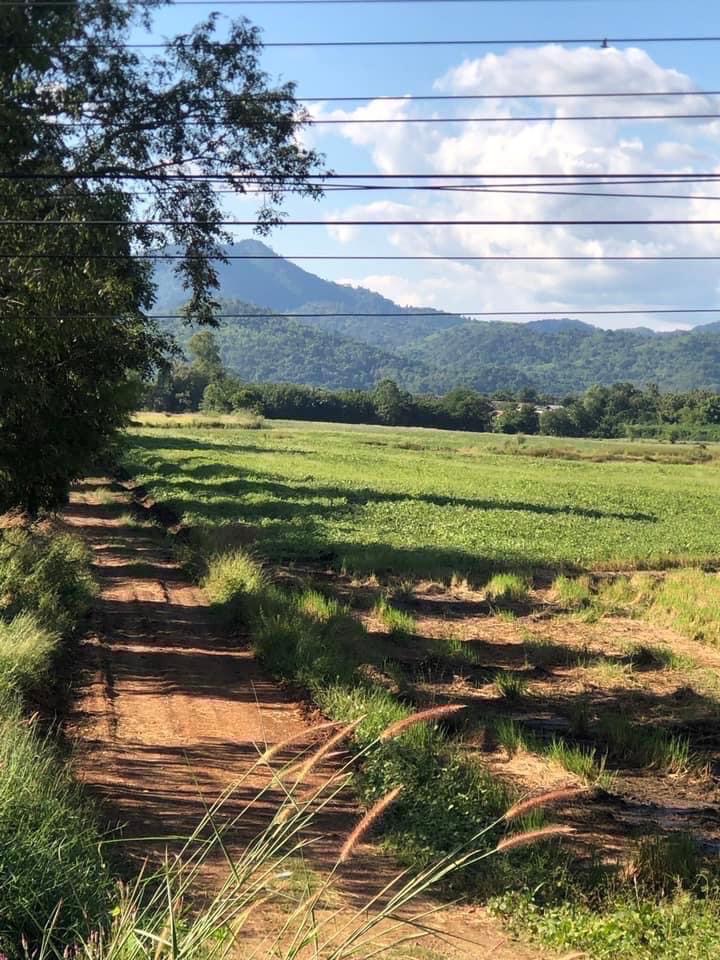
[[553, 146]]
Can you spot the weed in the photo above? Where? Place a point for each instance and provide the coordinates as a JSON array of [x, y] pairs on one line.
[[689, 601], [641, 746], [505, 588], [506, 616], [660, 864], [574, 593], [455, 649], [398, 622], [512, 686], [234, 582], [26, 649], [511, 735], [582, 761], [654, 656]]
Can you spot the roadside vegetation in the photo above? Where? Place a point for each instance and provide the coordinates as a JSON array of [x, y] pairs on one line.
[[544, 677], [49, 840]]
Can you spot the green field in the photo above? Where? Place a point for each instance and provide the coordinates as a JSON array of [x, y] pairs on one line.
[[434, 503]]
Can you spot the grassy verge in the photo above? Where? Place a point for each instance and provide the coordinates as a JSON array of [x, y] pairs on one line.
[[309, 638], [50, 865]]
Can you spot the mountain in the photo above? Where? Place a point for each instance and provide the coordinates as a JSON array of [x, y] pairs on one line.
[[282, 287], [280, 349], [426, 354]]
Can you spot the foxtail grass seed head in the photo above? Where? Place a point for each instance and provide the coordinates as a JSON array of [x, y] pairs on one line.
[[327, 747], [424, 716], [277, 748], [554, 797], [367, 822], [531, 836]]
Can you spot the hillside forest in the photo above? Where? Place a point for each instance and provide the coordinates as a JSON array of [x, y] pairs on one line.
[[619, 410]]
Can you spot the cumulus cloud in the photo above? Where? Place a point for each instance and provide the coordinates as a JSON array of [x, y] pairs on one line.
[[549, 146]]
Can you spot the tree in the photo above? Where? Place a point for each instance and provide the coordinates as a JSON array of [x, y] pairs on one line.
[[84, 123], [522, 419], [205, 355], [470, 410], [559, 423], [392, 405]]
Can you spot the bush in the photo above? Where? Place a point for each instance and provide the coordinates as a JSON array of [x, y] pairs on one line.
[[49, 575]]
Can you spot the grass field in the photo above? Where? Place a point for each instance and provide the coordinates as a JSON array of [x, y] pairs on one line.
[[561, 593], [433, 503]]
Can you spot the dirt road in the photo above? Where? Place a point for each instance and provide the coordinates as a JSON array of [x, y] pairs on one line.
[[167, 714]]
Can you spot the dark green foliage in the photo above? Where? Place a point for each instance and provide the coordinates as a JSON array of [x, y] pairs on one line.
[[74, 332], [522, 418], [430, 353]]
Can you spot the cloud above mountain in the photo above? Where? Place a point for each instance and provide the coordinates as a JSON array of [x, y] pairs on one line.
[[555, 145]]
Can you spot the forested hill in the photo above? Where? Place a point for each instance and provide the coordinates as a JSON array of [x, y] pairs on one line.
[[425, 353]]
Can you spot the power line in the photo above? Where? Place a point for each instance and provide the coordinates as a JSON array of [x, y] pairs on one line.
[[190, 122], [412, 98], [359, 223], [583, 95], [477, 189], [287, 3], [458, 258], [413, 313], [602, 42], [323, 178]]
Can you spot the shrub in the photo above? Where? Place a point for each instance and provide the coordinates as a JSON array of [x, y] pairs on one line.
[[47, 574]]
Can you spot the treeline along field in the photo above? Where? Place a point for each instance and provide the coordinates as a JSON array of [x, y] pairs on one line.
[[435, 503]]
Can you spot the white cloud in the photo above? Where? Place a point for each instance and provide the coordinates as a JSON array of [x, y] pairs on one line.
[[547, 147]]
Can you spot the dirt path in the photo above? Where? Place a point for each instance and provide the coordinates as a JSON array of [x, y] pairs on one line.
[[167, 714]]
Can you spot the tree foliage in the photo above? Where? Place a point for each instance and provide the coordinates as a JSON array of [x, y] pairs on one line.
[[84, 121]]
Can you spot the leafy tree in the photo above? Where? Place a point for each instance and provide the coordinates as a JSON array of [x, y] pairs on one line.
[[392, 405], [521, 419], [84, 121], [205, 353], [559, 423]]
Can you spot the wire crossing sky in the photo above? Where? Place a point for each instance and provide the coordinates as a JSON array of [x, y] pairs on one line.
[[462, 132]]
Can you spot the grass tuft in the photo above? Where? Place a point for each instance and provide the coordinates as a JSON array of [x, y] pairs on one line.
[[506, 588], [398, 622], [511, 686]]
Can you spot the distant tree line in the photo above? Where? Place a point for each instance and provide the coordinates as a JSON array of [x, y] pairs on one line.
[[620, 410]]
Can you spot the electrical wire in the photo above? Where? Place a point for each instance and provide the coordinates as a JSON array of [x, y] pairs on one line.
[[602, 42], [452, 258], [415, 313], [361, 223]]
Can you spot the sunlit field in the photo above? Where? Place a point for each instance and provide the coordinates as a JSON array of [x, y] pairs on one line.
[[436, 503]]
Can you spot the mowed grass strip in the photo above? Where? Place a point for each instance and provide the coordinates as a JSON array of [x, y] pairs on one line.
[[401, 500]]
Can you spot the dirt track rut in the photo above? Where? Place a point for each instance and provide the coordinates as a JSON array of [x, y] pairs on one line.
[[167, 715]]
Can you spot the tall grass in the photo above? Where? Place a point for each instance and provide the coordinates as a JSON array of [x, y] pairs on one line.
[[689, 601], [50, 863], [46, 574], [26, 650], [171, 914]]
